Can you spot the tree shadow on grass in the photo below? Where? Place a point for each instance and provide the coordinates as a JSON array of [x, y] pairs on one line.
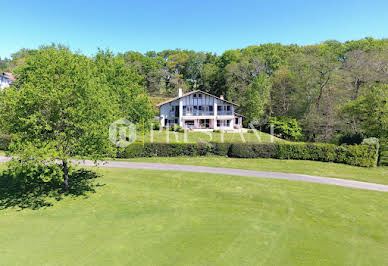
[[37, 194]]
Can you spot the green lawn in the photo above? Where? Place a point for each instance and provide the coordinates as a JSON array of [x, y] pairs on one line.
[[142, 217], [374, 175], [194, 137]]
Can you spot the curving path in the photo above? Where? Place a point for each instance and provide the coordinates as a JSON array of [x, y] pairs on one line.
[[233, 171]]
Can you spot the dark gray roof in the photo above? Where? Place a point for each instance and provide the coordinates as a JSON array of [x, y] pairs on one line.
[[191, 92]]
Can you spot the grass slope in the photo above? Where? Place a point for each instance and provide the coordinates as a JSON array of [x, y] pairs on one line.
[[171, 218], [194, 137], [374, 175]]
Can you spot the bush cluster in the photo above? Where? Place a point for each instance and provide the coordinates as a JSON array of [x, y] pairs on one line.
[[358, 155], [5, 140]]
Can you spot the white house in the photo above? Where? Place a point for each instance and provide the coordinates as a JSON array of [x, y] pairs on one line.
[[6, 80], [199, 110]]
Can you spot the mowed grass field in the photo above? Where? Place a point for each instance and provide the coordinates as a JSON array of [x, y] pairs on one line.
[[374, 175], [165, 136], [143, 217]]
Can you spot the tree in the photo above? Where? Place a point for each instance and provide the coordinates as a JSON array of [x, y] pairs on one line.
[[370, 112], [59, 107], [283, 91], [256, 98], [124, 84], [363, 68]]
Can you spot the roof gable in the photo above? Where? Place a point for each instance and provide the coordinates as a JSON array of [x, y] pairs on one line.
[[192, 92]]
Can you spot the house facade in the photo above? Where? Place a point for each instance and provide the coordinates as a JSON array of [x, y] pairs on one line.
[[6, 80], [199, 110]]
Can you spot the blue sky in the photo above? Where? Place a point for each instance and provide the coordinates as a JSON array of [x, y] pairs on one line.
[[213, 26]]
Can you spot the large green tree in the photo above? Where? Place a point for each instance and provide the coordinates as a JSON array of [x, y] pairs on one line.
[[62, 105], [370, 112]]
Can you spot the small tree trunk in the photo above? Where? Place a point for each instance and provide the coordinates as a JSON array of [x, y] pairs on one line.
[[65, 169]]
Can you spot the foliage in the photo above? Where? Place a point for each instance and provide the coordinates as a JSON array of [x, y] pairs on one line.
[[383, 160], [308, 83], [63, 103], [257, 98], [5, 140], [285, 127], [351, 138], [358, 155], [369, 112]]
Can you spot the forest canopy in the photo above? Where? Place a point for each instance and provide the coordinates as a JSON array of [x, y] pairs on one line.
[[325, 87]]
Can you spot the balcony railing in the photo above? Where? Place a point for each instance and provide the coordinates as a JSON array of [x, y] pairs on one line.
[[198, 113], [224, 113]]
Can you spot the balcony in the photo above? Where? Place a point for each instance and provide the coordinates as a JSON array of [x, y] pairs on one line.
[[225, 113], [197, 113]]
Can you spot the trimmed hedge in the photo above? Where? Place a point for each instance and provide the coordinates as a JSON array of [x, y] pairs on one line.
[[358, 155], [384, 152]]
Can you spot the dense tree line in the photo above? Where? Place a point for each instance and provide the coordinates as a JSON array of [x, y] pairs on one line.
[[322, 86]]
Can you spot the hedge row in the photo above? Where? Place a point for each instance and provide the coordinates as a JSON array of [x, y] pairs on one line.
[[358, 155], [384, 152]]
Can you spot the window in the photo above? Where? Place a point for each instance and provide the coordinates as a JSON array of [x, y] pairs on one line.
[[204, 123], [189, 122], [200, 107], [218, 123], [227, 123], [199, 95], [211, 108], [219, 108], [236, 121], [228, 108], [172, 108]]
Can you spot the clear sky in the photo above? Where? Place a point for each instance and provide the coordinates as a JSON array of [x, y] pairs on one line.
[[213, 26]]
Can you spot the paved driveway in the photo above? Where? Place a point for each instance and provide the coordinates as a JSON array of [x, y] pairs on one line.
[[232, 171]]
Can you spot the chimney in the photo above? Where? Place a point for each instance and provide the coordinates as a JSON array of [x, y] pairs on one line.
[[221, 97], [180, 92]]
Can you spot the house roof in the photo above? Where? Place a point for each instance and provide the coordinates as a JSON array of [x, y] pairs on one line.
[[236, 114], [9, 76], [192, 92]]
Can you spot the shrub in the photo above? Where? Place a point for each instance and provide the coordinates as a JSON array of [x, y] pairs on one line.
[[261, 150], [358, 155], [351, 138], [371, 141], [383, 160], [221, 149], [5, 140], [285, 127], [165, 150], [156, 125]]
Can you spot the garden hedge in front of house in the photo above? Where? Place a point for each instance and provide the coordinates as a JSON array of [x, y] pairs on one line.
[[358, 155]]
